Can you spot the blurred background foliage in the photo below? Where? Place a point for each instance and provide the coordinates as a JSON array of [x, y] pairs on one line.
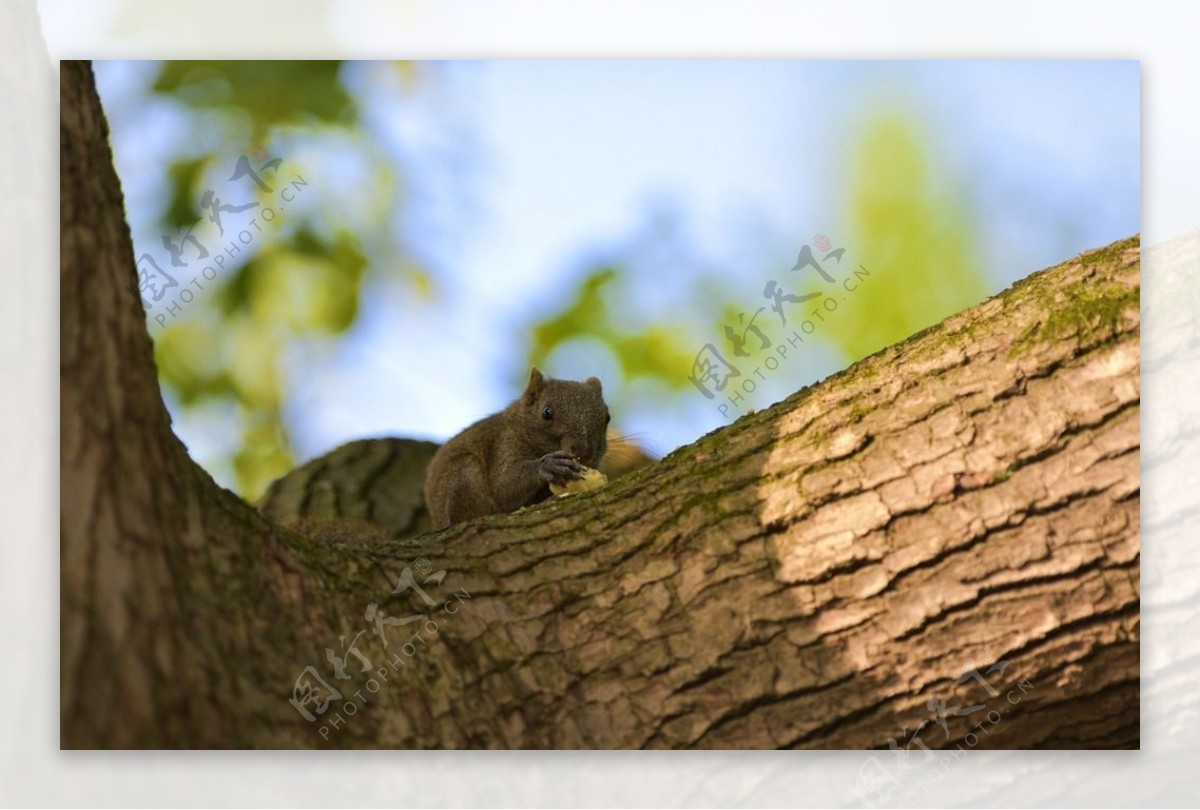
[[299, 284], [359, 309], [905, 212]]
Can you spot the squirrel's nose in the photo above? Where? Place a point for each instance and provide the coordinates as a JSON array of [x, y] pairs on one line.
[[587, 450]]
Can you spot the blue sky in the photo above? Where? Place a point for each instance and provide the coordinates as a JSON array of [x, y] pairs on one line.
[[529, 168]]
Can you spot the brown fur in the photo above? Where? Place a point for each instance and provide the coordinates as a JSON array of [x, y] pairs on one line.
[[507, 460]]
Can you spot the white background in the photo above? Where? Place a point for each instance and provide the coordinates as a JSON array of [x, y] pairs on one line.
[[33, 770]]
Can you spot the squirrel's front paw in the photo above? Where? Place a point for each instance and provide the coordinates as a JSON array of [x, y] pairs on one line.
[[559, 467]]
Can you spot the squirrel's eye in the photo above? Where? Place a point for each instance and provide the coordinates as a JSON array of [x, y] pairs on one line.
[[547, 413], [607, 418]]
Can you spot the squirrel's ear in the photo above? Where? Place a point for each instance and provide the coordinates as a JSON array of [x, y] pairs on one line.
[[594, 382], [534, 388]]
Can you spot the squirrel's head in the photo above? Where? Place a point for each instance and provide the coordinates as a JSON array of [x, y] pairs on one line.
[[572, 412]]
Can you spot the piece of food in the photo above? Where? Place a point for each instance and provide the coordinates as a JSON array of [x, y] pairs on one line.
[[592, 479]]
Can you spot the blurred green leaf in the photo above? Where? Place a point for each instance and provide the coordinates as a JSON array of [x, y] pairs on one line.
[[911, 228], [189, 361], [654, 351], [270, 92], [586, 315], [182, 210], [265, 453]]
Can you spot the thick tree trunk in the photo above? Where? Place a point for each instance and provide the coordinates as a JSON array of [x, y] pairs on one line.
[[819, 574]]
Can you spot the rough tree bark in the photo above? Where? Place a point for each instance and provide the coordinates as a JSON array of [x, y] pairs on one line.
[[818, 574]]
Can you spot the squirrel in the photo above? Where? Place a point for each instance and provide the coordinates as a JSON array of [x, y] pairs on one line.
[[550, 434]]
